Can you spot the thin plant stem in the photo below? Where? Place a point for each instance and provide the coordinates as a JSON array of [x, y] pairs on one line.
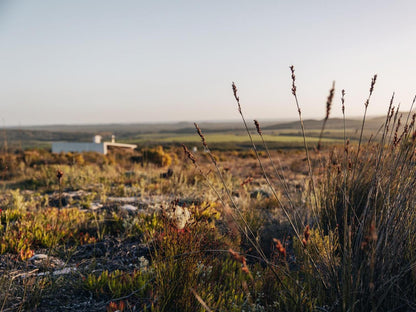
[[308, 158]]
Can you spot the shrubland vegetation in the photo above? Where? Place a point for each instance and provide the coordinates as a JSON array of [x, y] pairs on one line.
[[327, 228]]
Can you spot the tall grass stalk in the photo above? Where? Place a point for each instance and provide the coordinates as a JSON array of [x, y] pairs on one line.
[[250, 235], [302, 126], [286, 212], [247, 231]]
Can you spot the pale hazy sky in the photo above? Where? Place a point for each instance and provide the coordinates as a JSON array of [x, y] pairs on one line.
[[99, 61]]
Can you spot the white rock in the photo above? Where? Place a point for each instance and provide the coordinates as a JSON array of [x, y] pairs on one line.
[[129, 207], [38, 257], [123, 199], [64, 271], [95, 206], [180, 216], [59, 272], [43, 260]]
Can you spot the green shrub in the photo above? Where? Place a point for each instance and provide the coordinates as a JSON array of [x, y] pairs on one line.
[[157, 156]]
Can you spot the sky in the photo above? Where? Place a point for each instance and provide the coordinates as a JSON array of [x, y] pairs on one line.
[[100, 61]]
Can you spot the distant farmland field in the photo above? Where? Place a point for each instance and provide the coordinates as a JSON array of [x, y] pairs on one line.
[[227, 138]]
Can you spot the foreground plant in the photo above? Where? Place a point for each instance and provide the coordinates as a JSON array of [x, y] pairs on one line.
[[356, 250]]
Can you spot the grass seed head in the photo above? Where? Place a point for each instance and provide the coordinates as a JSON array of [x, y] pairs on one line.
[[343, 101], [373, 82], [329, 100], [256, 123], [188, 154], [292, 70], [237, 256], [204, 143], [236, 96], [280, 248]]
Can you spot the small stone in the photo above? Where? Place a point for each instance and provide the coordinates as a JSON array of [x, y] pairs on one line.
[[180, 216], [96, 206], [129, 208]]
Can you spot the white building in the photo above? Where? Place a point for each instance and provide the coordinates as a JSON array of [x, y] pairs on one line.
[[95, 146]]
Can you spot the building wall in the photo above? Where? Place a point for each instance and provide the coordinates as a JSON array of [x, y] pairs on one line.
[[65, 147]]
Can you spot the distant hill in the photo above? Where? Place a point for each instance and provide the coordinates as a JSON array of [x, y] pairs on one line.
[[371, 123], [42, 136], [140, 128], [312, 124]]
